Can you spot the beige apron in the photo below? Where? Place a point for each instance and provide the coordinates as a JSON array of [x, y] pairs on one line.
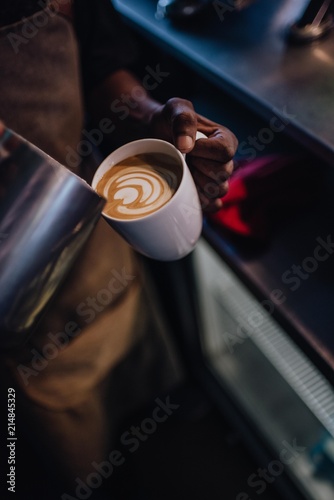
[[70, 393]]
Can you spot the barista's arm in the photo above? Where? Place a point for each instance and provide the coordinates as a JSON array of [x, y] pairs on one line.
[[115, 96]]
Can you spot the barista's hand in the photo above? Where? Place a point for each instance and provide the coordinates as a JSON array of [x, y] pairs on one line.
[[210, 160]]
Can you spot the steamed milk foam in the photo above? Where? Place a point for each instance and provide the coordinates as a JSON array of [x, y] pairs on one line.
[[139, 185]]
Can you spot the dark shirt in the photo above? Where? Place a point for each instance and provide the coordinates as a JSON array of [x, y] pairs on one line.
[[12, 11], [104, 41]]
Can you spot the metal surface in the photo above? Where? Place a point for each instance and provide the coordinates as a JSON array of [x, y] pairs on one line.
[[247, 54], [180, 8], [184, 9], [263, 371], [316, 22], [46, 215]]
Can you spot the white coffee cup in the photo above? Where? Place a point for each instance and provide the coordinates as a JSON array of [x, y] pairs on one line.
[[172, 231]]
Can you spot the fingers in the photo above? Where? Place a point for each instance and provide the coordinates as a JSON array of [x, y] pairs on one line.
[[208, 205], [183, 120], [211, 163], [220, 147], [214, 170], [211, 188], [210, 191], [224, 142], [211, 179], [210, 160]]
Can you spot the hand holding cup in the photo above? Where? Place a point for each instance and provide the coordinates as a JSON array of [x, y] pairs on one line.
[[152, 200]]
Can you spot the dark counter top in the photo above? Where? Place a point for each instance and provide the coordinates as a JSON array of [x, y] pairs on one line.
[[246, 53], [247, 56]]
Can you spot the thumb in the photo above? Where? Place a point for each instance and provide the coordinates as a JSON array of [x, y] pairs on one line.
[[184, 125]]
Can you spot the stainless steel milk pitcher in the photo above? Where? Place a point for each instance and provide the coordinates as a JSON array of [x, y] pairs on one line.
[[46, 216]]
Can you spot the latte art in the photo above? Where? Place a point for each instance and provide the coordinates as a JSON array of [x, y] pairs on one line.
[[139, 185]]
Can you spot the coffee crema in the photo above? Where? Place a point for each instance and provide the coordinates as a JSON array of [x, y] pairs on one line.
[[139, 185]]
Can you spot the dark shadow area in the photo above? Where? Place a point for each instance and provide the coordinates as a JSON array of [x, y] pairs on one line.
[[193, 454]]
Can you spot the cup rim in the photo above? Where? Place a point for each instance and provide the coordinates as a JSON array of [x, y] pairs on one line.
[[96, 177]]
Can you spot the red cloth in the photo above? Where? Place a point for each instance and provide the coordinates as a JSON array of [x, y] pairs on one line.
[[263, 189]]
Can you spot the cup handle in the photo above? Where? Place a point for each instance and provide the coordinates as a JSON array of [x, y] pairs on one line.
[[199, 135]]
